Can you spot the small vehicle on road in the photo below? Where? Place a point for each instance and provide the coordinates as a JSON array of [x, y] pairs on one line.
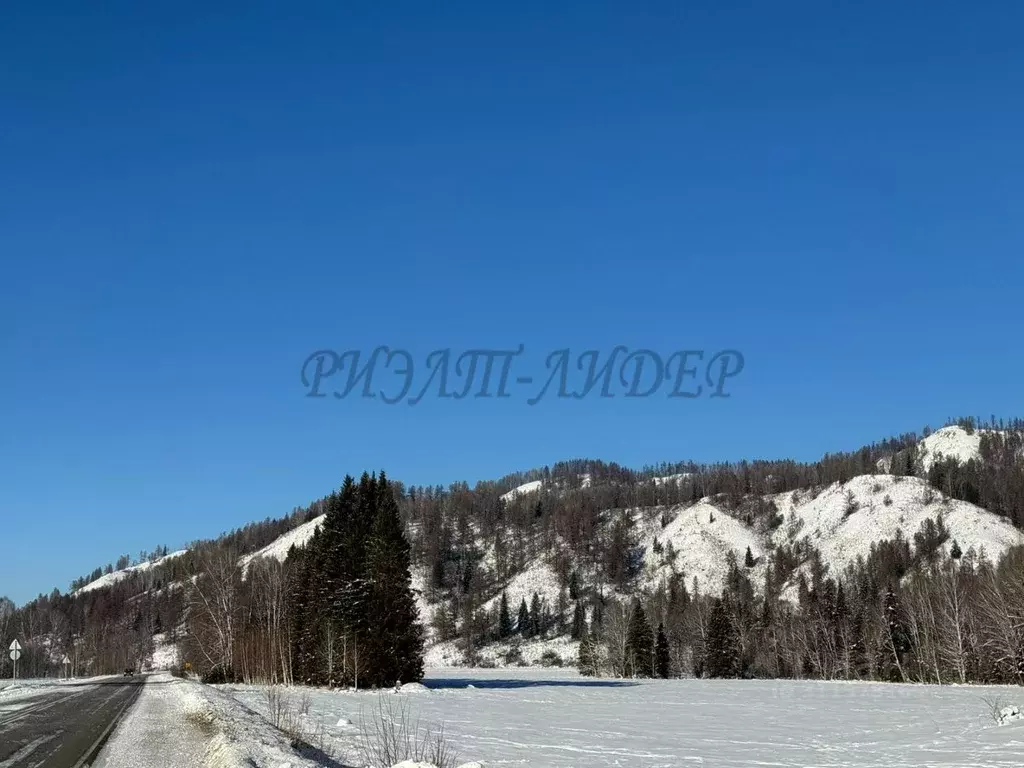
[[129, 672]]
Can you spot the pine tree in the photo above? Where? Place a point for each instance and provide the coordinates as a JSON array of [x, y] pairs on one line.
[[639, 644], [523, 619], [504, 618], [574, 586], [721, 653], [954, 551], [662, 658], [748, 559]]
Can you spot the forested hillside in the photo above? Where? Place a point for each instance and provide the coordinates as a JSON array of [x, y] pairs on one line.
[[902, 560]]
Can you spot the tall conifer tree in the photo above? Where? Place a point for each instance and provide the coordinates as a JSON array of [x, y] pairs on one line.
[[662, 658], [640, 644], [397, 647]]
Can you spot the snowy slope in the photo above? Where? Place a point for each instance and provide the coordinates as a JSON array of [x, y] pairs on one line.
[[951, 443], [166, 654], [538, 577], [521, 490], [703, 547], [841, 538], [110, 579], [278, 549]]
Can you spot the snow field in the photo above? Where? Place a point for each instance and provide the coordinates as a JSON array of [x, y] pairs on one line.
[[556, 719]]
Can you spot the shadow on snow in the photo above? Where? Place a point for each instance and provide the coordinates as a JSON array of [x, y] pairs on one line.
[[465, 682]]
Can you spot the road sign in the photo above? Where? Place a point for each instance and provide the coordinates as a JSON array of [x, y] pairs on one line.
[[66, 660], [15, 655]]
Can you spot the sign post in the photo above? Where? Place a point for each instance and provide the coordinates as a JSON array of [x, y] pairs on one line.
[[15, 655], [67, 663]]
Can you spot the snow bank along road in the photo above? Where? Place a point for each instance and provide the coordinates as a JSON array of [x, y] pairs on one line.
[[62, 726]]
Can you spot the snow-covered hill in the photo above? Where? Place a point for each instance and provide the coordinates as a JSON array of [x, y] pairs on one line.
[[700, 541], [110, 579], [703, 538], [846, 519], [843, 521], [952, 443]]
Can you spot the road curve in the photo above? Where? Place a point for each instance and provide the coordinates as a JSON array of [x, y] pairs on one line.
[[66, 727]]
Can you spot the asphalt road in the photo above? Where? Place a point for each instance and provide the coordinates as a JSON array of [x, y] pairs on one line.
[[66, 727]]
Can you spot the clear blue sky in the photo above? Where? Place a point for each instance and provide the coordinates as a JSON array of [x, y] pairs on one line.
[[194, 199]]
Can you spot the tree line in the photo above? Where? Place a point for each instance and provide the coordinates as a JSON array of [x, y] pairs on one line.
[[288, 621]]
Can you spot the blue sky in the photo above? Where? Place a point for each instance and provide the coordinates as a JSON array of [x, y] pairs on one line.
[[194, 199]]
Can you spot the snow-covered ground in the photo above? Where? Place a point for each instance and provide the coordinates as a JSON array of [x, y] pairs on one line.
[[181, 724], [166, 654], [557, 719]]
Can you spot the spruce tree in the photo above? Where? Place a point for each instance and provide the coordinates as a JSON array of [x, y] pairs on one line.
[[523, 619], [721, 653], [536, 616], [339, 610], [748, 559], [298, 598], [504, 618], [574, 586], [579, 621], [954, 551], [639, 644], [393, 618], [662, 658]]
